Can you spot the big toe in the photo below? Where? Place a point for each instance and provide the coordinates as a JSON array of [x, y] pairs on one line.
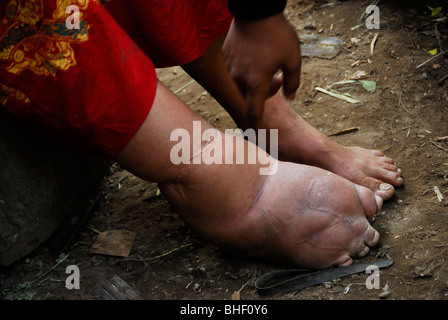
[[370, 202], [384, 190]]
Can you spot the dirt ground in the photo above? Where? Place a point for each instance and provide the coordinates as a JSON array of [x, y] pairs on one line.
[[406, 117]]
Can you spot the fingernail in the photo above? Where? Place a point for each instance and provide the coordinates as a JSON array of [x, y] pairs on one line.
[[385, 186]]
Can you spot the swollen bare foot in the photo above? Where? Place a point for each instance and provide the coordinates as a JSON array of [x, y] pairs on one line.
[[301, 215], [312, 218]]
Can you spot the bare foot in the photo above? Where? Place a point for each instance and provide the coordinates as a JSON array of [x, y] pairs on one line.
[[369, 168], [302, 216], [302, 143], [312, 218]]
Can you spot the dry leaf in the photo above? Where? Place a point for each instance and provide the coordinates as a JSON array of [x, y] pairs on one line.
[[358, 75], [236, 295], [114, 243]]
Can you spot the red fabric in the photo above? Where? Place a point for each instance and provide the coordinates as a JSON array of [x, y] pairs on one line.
[[99, 102], [172, 32], [93, 87]]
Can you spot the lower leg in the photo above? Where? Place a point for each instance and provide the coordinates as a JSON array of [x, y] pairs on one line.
[[210, 198], [298, 141]]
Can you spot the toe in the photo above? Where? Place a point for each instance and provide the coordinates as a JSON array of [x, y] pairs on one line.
[[370, 203], [379, 188], [383, 190], [371, 237], [389, 174], [344, 261], [379, 203], [387, 160], [380, 167], [390, 166], [364, 252]]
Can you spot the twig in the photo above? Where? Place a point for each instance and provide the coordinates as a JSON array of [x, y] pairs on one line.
[[51, 269], [349, 130], [438, 145], [170, 252], [430, 59], [441, 138], [50, 279], [441, 80], [160, 255], [400, 103], [236, 294], [372, 44], [337, 95], [438, 193], [328, 5], [364, 15], [93, 229]]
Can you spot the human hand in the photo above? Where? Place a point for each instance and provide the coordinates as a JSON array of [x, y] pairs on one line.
[[255, 51]]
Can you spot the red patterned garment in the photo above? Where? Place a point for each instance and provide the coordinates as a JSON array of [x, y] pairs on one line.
[[94, 85], [172, 32]]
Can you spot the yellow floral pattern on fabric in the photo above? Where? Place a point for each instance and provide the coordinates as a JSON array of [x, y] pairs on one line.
[[42, 45], [7, 92]]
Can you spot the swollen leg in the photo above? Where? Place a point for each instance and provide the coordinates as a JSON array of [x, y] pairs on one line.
[[301, 215], [212, 198]]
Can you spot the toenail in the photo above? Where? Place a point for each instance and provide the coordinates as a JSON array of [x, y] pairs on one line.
[[379, 203], [399, 170], [376, 237], [400, 179], [385, 186]]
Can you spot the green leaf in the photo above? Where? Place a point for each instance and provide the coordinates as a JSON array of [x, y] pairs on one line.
[[432, 52], [436, 11], [368, 85]]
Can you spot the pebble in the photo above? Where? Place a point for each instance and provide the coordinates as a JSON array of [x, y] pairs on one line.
[[196, 288]]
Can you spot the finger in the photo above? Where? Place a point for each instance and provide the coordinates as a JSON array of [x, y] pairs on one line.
[[291, 83], [255, 100], [276, 84], [241, 83], [291, 78]]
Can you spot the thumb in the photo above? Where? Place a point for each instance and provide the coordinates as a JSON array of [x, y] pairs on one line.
[[291, 83], [291, 78], [276, 84]]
